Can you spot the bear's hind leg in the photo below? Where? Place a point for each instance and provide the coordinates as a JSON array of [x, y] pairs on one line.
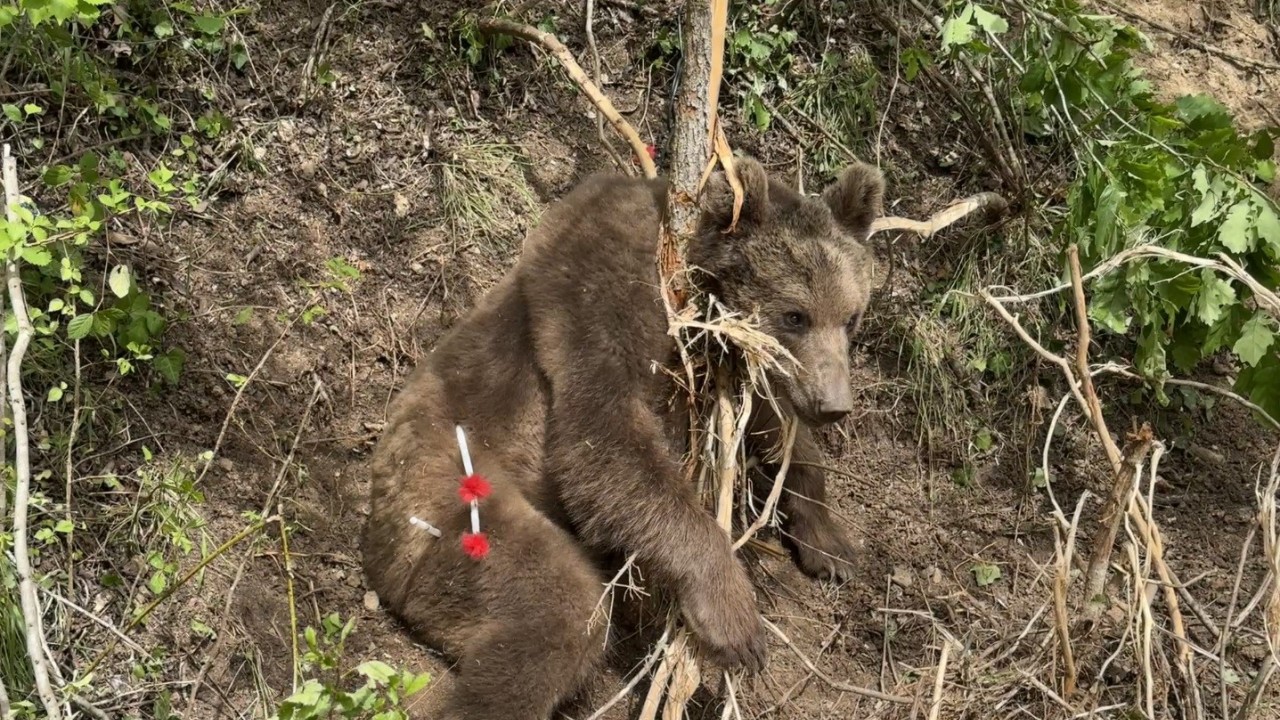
[[539, 630]]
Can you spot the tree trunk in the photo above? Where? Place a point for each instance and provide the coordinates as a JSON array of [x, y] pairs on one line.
[[690, 143]]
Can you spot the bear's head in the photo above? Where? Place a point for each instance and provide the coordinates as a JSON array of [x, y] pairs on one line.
[[798, 263]]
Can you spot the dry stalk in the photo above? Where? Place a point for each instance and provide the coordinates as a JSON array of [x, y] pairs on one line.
[[31, 611], [989, 201], [1267, 523], [936, 705], [579, 77], [1063, 552], [658, 652]]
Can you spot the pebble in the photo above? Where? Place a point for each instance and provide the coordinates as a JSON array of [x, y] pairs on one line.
[[371, 601]]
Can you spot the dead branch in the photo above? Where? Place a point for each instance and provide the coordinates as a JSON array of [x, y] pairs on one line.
[[31, 611], [1135, 453], [1092, 405], [1267, 300], [579, 76], [1147, 528], [988, 201]]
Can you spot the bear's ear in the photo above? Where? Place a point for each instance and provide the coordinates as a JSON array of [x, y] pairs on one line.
[[855, 199], [717, 196]]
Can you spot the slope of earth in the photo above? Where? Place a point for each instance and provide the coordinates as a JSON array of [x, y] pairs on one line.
[[423, 175]]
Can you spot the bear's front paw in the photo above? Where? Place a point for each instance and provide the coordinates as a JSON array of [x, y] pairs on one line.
[[722, 614], [823, 550]]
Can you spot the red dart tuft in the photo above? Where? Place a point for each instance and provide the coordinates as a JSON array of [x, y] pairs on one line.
[[474, 488], [475, 545]]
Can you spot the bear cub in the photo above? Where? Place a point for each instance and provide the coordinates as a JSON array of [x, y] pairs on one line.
[[555, 377]]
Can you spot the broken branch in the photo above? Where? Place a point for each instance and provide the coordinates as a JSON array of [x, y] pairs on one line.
[[988, 201], [31, 612], [578, 75]]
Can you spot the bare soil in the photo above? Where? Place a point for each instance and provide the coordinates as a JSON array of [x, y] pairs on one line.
[[359, 172]]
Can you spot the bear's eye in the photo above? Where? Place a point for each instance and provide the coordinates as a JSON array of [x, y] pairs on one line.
[[795, 320]]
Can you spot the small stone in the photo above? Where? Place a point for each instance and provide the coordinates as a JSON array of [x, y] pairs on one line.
[[903, 577], [353, 580], [371, 601], [401, 205]]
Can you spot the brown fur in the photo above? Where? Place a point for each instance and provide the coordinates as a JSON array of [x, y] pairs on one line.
[[552, 375]]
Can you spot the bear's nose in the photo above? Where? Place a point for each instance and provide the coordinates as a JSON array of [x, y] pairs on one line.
[[829, 411]]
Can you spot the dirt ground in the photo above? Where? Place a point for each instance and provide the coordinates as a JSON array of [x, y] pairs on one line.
[[368, 171]]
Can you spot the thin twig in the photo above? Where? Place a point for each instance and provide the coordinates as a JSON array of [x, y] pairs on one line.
[[833, 683], [936, 705], [659, 650], [31, 611], [579, 76]]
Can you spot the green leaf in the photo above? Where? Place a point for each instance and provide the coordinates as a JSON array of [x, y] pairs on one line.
[[1268, 225], [64, 527], [164, 29], [984, 574], [1215, 294], [32, 109], [209, 24], [415, 683], [158, 583], [12, 112], [37, 256], [57, 175], [55, 394], [170, 365], [80, 326], [377, 671], [1261, 384], [1256, 337], [120, 280], [989, 21], [1234, 232], [958, 30], [983, 440]]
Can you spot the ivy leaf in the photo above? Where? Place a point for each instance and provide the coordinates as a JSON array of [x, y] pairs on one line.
[[1215, 294], [1234, 233], [80, 326], [1256, 337], [120, 280]]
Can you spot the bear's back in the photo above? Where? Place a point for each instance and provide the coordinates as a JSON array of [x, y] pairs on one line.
[[589, 280]]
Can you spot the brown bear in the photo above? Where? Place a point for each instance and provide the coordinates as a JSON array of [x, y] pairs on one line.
[[554, 378]]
